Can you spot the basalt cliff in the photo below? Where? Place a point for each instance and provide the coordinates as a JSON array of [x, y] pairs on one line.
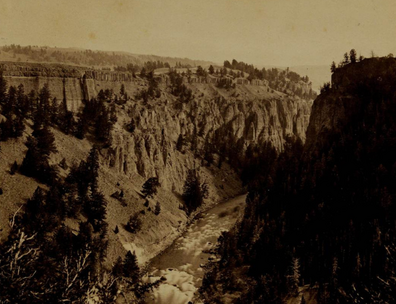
[[243, 115]]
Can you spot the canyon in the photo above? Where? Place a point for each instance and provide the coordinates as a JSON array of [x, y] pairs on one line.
[[247, 114]]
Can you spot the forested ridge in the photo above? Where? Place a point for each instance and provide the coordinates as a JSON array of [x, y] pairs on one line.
[[321, 215], [43, 260], [56, 248]]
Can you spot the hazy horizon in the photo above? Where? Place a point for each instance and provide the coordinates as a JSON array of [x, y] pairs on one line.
[[264, 33]]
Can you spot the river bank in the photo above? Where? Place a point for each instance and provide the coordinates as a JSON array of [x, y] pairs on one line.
[[183, 263]]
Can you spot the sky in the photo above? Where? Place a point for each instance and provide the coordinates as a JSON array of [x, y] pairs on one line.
[[262, 32]]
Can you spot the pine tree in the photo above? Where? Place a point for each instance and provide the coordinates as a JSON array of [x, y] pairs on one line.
[[54, 111], [113, 113], [22, 101], [131, 126], [346, 58], [194, 140], [352, 56], [9, 102], [130, 268], [333, 67], [92, 168], [150, 187], [34, 212], [295, 275], [35, 163], [95, 210], [157, 208], [45, 106], [180, 143], [3, 88], [14, 168], [134, 224], [122, 90], [143, 73], [118, 268], [193, 191], [45, 141], [211, 69]]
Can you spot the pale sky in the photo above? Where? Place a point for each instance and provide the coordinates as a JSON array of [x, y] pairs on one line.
[[262, 32]]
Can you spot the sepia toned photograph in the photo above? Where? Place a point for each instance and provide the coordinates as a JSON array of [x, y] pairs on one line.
[[197, 152]]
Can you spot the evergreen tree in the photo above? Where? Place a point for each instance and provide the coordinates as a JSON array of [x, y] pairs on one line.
[[193, 191], [131, 126], [14, 168], [3, 88], [35, 163], [134, 224], [130, 268], [118, 268], [95, 210], [22, 101], [157, 208], [194, 140], [143, 73], [295, 275], [180, 143], [54, 112], [333, 67], [9, 104], [211, 69], [201, 72], [352, 56], [103, 127], [122, 90], [150, 187], [45, 106], [92, 168], [346, 59]]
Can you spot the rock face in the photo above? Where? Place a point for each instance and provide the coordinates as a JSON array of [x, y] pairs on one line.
[[246, 114], [60, 88], [151, 149], [334, 108]]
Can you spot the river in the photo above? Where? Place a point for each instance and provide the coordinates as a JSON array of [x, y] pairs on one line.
[[183, 263]]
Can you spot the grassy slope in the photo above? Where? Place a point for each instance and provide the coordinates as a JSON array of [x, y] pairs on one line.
[[158, 231]]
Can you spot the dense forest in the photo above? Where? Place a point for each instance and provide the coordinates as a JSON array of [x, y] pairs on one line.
[[43, 260], [121, 61], [280, 80], [322, 216], [319, 216]]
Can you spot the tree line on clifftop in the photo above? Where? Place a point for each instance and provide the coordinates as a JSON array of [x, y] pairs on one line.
[[43, 260], [55, 263], [321, 218]]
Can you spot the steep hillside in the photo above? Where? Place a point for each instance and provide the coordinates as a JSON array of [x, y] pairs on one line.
[[86, 58], [246, 114], [320, 222]]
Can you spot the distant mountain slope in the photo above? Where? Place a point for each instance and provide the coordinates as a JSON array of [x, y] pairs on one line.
[[85, 57], [318, 74]]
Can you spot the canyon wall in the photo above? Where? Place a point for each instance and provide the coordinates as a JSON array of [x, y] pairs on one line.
[[245, 114]]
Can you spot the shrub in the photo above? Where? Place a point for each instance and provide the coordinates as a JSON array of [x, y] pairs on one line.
[[157, 208], [150, 187], [134, 224], [14, 168]]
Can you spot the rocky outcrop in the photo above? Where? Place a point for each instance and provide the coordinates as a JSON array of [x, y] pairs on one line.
[[349, 86], [151, 149], [247, 114]]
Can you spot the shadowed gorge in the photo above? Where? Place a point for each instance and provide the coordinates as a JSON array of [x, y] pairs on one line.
[[105, 158], [319, 224], [197, 152]]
